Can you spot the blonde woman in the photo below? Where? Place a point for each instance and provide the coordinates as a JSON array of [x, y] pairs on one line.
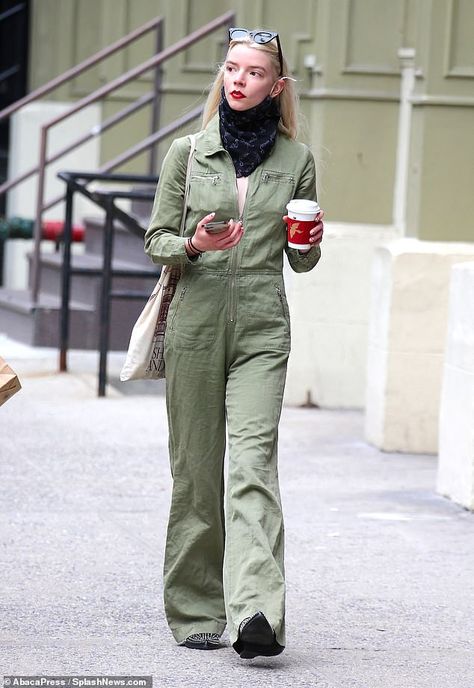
[[226, 349]]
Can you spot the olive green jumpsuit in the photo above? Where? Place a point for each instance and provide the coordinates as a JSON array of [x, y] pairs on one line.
[[226, 350]]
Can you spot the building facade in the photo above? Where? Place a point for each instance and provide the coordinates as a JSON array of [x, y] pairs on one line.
[[344, 55]]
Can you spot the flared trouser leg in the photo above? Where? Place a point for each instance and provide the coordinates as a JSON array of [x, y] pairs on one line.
[[254, 576], [217, 568], [193, 586]]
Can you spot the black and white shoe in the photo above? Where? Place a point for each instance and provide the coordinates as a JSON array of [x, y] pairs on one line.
[[256, 637], [203, 641]]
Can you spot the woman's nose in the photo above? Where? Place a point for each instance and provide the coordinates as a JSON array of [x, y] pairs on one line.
[[239, 78]]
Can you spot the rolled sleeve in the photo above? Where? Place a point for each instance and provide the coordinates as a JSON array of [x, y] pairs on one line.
[[303, 262]]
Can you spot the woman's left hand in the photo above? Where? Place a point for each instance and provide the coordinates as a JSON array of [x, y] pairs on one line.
[[316, 234]]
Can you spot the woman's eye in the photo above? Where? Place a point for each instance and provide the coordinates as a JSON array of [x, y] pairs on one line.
[[255, 74]]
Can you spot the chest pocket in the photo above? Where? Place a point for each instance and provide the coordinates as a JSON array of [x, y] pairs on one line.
[[274, 177], [205, 190], [275, 190]]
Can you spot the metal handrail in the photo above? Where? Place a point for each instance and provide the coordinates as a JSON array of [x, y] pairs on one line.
[[95, 131], [153, 139], [105, 200], [138, 148], [75, 71], [152, 63], [81, 67], [72, 178]]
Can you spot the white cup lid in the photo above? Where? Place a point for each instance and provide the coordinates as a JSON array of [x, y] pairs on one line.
[[301, 205]]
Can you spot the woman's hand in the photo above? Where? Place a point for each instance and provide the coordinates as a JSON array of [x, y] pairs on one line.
[[315, 234], [206, 241]]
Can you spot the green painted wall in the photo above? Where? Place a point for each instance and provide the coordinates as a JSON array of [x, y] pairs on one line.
[[349, 95]]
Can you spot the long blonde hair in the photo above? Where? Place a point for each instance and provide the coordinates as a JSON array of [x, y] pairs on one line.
[[287, 99]]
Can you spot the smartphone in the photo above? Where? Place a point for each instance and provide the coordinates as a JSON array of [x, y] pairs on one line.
[[217, 226]]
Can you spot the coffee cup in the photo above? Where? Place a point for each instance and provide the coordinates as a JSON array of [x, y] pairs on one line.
[[302, 216]]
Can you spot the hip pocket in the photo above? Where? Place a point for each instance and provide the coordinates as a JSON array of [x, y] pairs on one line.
[[193, 323], [265, 318]]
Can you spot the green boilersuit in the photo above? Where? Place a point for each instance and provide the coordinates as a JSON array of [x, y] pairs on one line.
[[226, 351]]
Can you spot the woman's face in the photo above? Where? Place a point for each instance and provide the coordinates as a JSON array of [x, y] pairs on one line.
[[248, 77]]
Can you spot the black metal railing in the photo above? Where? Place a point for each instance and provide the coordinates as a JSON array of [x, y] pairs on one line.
[[105, 199], [77, 183]]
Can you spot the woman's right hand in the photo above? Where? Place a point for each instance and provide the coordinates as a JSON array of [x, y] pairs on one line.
[[205, 241]]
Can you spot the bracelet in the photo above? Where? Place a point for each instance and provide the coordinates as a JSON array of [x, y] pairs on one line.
[[189, 250], [196, 251]]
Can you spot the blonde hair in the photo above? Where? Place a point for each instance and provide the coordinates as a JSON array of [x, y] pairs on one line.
[[287, 99]]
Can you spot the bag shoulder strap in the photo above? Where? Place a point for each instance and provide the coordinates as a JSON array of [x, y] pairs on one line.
[[192, 147]]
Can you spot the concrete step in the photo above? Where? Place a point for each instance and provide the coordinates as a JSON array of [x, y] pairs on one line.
[[39, 326], [127, 246], [86, 288]]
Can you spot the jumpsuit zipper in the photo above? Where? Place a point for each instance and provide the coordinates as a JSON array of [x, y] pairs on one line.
[[233, 258], [233, 284]]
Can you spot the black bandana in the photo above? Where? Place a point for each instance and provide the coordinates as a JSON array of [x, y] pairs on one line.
[[248, 136]]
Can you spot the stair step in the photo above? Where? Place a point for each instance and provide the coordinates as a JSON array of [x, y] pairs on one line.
[[86, 288], [39, 326], [94, 262], [127, 246], [20, 300]]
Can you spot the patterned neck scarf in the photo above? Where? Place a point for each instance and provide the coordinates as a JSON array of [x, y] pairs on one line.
[[250, 135]]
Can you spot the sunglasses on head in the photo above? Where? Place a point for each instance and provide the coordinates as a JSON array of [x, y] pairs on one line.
[[258, 36]]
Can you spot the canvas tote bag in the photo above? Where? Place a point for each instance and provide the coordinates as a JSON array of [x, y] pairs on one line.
[[145, 357]]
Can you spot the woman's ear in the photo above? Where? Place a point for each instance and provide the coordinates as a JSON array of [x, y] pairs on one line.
[[277, 88]]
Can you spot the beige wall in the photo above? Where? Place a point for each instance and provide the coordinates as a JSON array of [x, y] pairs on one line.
[[350, 96]]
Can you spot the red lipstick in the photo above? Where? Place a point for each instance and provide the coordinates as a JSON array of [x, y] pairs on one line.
[[237, 94]]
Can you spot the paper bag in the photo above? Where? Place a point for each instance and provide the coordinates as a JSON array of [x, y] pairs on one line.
[[9, 382]]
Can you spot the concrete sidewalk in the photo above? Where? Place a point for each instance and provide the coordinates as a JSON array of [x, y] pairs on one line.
[[379, 568]]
